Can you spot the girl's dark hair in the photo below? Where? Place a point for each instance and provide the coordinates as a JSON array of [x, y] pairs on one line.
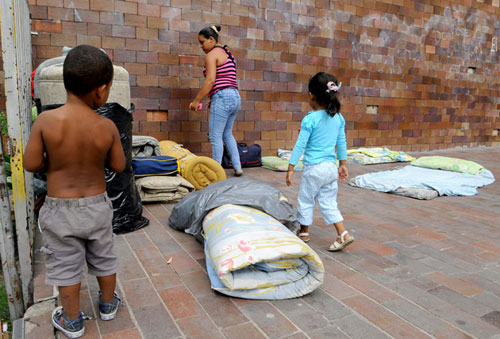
[[85, 68], [208, 32], [326, 98]]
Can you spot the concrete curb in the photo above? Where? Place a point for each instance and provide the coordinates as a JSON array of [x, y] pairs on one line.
[[37, 323]]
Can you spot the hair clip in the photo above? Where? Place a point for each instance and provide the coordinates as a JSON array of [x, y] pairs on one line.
[[215, 29], [332, 87]]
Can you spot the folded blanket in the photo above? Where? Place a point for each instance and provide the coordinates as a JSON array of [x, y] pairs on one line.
[[376, 155], [145, 146], [444, 182], [163, 188], [251, 255], [198, 170], [155, 166], [278, 164]]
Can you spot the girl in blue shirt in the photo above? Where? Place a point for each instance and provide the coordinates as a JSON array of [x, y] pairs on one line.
[[321, 131]]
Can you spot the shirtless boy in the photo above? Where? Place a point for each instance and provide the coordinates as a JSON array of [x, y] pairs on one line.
[[74, 145]]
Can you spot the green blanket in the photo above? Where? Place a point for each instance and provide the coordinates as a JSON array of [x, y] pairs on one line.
[[277, 164], [449, 164]]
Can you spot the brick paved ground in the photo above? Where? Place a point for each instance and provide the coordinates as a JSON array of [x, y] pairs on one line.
[[418, 269]]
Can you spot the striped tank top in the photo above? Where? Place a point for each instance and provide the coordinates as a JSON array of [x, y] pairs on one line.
[[225, 75]]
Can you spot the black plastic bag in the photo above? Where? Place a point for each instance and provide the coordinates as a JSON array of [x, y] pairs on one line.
[[121, 188]]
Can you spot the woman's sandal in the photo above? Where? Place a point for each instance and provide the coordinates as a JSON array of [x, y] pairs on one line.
[[304, 236], [337, 246]]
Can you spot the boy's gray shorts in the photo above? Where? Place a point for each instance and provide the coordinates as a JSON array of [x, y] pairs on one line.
[[75, 231]]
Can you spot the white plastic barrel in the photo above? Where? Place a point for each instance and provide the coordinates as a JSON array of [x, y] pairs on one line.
[[52, 91]]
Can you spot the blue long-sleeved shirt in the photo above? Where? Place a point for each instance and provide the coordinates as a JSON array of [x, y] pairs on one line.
[[319, 134]]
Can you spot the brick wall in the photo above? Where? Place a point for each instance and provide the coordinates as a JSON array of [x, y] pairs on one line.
[[416, 75]]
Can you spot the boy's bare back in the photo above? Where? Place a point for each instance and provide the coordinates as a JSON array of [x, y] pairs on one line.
[[78, 144]]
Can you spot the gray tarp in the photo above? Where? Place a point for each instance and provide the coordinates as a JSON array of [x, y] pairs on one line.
[[188, 214]]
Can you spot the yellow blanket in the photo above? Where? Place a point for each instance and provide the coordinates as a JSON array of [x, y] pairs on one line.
[[198, 170], [376, 155]]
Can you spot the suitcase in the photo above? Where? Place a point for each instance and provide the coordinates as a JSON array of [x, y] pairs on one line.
[[250, 156], [158, 165]]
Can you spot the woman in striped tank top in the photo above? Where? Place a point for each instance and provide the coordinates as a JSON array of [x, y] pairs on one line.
[[221, 87]]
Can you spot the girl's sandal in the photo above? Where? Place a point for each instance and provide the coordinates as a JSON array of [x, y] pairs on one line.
[[337, 246], [304, 236]]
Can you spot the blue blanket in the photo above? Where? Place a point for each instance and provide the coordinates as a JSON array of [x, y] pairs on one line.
[[444, 182]]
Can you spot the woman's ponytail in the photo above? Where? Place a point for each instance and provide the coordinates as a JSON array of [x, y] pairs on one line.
[[228, 53]]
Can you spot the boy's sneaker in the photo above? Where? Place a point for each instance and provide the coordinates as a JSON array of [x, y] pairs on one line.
[[108, 310], [70, 328]]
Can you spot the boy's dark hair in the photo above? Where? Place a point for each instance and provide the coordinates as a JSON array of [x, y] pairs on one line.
[[85, 68], [208, 32], [327, 98]]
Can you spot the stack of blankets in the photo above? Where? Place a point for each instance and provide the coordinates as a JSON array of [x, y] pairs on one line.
[[157, 188]]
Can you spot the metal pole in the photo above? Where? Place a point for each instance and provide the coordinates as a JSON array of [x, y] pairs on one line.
[[23, 59], [11, 277], [12, 46]]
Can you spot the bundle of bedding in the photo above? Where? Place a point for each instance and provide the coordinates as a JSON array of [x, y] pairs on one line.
[[163, 188], [249, 254], [278, 164], [188, 214], [145, 146], [376, 155], [429, 177], [286, 154], [154, 166], [198, 170]]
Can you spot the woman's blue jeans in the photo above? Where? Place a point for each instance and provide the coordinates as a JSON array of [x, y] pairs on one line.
[[224, 108]]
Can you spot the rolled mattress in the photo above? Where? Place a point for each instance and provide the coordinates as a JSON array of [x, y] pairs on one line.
[[249, 254], [200, 171]]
